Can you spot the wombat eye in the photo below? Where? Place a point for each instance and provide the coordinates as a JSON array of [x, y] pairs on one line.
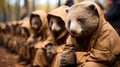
[[51, 22], [80, 20]]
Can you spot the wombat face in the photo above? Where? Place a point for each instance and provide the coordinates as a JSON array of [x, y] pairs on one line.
[[56, 24], [35, 23], [82, 20], [25, 32]]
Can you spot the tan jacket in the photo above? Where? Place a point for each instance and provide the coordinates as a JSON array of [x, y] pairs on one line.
[[44, 34], [60, 12], [25, 24], [103, 46], [3, 33], [60, 41]]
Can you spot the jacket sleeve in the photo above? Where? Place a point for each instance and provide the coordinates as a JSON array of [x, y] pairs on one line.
[[81, 56], [105, 48], [49, 39], [71, 42]]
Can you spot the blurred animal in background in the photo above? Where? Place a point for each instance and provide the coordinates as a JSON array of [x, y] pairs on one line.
[[40, 35]]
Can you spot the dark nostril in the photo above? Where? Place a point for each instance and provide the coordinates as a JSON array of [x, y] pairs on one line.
[[73, 32], [54, 31]]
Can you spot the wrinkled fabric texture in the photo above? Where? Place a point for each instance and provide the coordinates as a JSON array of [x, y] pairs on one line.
[[24, 24], [39, 39], [44, 33], [61, 39], [12, 38], [58, 42], [59, 12], [103, 46]]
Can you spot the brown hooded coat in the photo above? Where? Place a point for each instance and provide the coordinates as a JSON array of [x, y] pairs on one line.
[[103, 46], [44, 32], [12, 36], [60, 12], [21, 39], [3, 33], [24, 24], [41, 38], [59, 41]]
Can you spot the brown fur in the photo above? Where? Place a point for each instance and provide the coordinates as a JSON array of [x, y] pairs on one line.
[[85, 16]]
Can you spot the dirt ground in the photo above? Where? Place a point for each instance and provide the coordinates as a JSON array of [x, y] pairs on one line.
[[9, 60]]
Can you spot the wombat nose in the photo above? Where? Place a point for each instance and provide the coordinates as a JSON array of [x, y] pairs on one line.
[[54, 31], [73, 32]]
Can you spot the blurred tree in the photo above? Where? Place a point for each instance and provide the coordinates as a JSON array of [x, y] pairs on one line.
[[33, 7], [0, 11], [26, 4], [59, 3], [9, 11], [17, 9], [3, 10]]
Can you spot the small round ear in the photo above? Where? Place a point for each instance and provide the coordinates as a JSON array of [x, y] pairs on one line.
[[67, 10], [93, 8]]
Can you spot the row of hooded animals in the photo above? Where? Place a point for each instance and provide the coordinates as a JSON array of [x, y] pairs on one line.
[[76, 36], [41, 32]]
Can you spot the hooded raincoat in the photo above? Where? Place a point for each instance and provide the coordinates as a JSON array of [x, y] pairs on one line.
[[39, 38], [102, 47], [59, 41]]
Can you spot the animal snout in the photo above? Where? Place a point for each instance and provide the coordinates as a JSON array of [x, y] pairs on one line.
[[73, 32]]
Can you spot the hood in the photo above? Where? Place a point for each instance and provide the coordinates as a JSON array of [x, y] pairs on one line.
[[2, 25], [25, 23], [102, 20], [61, 13], [42, 16], [43, 34]]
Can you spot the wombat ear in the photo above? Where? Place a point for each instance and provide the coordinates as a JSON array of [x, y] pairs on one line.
[[67, 10], [93, 8]]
